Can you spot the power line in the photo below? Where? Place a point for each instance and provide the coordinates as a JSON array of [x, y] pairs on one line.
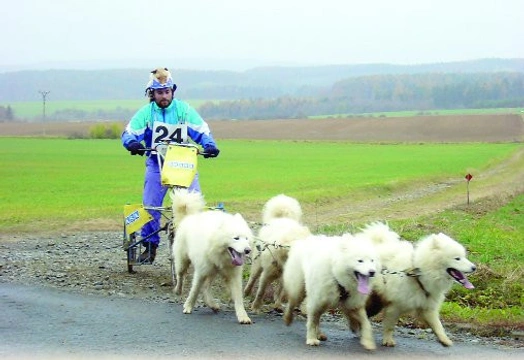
[[44, 94]]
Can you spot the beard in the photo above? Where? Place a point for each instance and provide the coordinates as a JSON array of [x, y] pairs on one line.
[[163, 103]]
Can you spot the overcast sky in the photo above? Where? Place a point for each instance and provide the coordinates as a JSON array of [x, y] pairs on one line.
[[229, 33]]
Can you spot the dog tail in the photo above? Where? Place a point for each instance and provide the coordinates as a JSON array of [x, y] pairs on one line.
[[380, 233], [281, 206], [186, 203]]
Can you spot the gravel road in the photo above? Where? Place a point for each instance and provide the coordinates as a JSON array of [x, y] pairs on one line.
[[70, 296]]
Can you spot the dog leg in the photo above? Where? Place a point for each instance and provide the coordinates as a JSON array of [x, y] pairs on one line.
[[265, 279], [313, 335], [235, 287], [432, 318], [279, 295], [353, 321], [294, 300], [208, 296], [388, 323], [198, 281], [366, 338], [256, 270], [181, 267]]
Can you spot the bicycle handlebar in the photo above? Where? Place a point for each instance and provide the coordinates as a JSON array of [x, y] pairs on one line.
[[155, 150]]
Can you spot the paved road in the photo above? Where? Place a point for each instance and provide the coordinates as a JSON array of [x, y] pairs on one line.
[[45, 323]]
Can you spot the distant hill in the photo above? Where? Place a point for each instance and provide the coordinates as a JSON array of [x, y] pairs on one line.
[[261, 82]]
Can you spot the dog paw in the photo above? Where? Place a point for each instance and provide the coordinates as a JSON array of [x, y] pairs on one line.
[[244, 320], [213, 306], [368, 344], [446, 342], [388, 343], [188, 309], [313, 342], [288, 318]]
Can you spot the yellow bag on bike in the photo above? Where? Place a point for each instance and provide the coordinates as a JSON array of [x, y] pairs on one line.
[[180, 166], [135, 216]]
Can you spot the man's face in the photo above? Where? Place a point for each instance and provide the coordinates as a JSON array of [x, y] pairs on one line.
[[163, 97]]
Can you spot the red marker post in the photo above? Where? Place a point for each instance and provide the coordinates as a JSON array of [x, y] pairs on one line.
[[468, 179]]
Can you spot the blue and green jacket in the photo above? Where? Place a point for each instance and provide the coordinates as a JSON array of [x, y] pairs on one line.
[[140, 128]]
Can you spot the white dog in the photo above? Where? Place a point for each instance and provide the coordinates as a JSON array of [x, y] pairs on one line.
[[273, 241], [214, 242], [281, 227], [331, 272], [416, 279]]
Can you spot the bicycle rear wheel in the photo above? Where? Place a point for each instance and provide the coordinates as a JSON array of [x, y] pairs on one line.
[[130, 249]]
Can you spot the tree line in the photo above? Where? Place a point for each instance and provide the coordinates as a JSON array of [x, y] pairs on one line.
[[355, 95], [384, 93]]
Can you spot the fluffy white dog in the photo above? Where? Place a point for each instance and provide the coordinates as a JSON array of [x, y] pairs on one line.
[[415, 279], [273, 241], [214, 242], [281, 215], [331, 272]]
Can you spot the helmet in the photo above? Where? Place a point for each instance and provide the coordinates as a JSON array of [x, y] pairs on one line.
[[160, 78]]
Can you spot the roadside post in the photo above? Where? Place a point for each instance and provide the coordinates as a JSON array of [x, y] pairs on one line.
[[468, 179]]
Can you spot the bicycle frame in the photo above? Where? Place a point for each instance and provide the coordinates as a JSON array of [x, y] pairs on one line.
[[178, 164]]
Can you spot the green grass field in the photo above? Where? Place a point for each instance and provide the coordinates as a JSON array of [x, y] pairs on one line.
[[84, 179], [34, 109]]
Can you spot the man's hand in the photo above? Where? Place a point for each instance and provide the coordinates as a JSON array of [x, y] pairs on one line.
[[136, 148], [210, 151]]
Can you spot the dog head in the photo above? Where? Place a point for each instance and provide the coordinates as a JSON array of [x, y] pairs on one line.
[[238, 239], [440, 253], [361, 261]]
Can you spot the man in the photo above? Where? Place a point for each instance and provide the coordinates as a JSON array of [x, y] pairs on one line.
[[164, 118]]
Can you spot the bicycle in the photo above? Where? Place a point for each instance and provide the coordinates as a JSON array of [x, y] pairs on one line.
[[178, 163]]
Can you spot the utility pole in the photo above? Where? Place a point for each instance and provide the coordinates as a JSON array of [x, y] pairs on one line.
[[44, 94]]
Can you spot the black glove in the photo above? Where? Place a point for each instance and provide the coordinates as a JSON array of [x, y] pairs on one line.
[[210, 151], [136, 148]]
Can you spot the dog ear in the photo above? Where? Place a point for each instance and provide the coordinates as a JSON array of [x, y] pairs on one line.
[[436, 241]]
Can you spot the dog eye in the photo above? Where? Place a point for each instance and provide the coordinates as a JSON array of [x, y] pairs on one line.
[[361, 261], [457, 258], [236, 238]]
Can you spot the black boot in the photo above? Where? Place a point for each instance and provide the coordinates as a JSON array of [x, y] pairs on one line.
[[149, 253]]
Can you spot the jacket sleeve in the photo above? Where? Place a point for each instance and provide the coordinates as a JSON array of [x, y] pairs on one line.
[[136, 127]]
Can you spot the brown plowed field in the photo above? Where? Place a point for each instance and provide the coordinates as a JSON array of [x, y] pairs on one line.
[[452, 128]]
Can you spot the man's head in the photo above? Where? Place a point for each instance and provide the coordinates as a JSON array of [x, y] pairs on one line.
[[160, 87]]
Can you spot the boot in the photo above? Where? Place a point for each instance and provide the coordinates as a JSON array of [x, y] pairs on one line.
[[149, 253]]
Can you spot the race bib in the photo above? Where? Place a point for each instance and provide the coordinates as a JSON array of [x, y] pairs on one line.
[[168, 133]]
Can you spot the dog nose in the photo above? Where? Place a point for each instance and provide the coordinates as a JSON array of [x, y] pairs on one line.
[[473, 268], [247, 251], [372, 273]]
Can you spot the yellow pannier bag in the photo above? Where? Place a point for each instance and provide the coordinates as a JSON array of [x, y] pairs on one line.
[[180, 166]]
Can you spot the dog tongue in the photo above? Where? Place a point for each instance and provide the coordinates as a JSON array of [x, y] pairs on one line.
[[467, 284], [461, 279], [237, 258], [363, 284]]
